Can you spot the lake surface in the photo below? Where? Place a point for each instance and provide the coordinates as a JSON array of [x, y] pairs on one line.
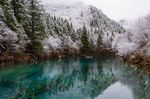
[[75, 78]]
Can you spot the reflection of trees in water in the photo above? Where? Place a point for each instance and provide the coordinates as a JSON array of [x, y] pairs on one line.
[[92, 82], [59, 83], [88, 76], [139, 83], [94, 78], [97, 84], [134, 78]]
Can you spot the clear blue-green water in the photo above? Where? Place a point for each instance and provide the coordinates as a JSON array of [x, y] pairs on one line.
[[75, 78]]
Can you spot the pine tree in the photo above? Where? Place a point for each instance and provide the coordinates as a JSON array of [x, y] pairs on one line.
[[84, 39], [37, 27], [10, 21], [19, 10], [99, 41]]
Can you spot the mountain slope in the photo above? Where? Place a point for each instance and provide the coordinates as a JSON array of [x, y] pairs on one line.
[[79, 14]]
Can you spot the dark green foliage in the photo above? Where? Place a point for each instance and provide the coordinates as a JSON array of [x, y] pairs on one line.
[[35, 47], [60, 27], [84, 39], [36, 28], [19, 10], [99, 41], [36, 23], [10, 19]]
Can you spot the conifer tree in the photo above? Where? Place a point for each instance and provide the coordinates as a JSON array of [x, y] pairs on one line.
[[10, 19], [84, 39], [99, 41], [37, 28], [19, 10], [37, 25]]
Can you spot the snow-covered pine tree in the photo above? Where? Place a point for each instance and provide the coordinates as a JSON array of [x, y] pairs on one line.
[[10, 20], [20, 13], [37, 27], [99, 41], [84, 39]]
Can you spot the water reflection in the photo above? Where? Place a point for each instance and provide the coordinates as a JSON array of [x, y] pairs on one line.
[[75, 78], [112, 93]]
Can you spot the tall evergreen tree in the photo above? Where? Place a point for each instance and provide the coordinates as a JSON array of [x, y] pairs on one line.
[[19, 10], [84, 39], [37, 27], [99, 41], [10, 21]]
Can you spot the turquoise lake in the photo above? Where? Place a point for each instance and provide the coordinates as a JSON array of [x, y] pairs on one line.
[[75, 78]]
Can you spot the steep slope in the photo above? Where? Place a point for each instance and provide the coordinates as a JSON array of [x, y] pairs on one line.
[[79, 14]]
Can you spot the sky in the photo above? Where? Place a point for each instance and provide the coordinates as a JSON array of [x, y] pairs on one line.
[[115, 9]]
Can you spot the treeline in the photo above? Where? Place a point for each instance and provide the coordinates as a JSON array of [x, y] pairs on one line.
[[33, 25]]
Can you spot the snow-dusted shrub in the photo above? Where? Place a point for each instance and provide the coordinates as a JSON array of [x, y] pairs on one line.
[[7, 35], [52, 43], [135, 41], [140, 31], [93, 38], [67, 42], [123, 45], [107, 39]]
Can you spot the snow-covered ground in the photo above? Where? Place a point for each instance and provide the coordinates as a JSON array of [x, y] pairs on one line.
[[79, 14], [76, 13]]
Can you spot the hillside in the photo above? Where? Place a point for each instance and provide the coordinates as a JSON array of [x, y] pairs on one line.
[[27, 28], [79, 14]]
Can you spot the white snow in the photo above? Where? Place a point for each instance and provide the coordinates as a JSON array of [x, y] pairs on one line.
[[6, 34], [71, 12], [123, 46], [56, 42], [79, 14], [52, 43], [107, 36], [69, 43]]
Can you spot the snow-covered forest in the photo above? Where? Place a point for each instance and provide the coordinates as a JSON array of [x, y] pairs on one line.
[[28, 27]]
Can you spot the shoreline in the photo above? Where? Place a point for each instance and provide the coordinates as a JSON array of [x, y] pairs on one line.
[[137, 60]]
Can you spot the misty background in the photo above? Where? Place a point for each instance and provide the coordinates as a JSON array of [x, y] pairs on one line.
[[115, 9]]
